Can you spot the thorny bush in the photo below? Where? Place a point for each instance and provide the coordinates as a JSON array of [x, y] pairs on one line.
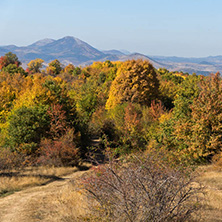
[[141, 189]]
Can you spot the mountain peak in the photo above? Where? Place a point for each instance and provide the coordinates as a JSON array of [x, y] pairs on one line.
[[71, 39]]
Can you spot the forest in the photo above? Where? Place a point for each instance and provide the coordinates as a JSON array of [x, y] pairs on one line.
[[51, 115]]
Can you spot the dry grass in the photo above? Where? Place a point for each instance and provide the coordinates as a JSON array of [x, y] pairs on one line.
[[211, 178], [15, 180], [67, 204]]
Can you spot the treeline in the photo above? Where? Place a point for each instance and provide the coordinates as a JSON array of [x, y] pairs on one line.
[[48, 116]]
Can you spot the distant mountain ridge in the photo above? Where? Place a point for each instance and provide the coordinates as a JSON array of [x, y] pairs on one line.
[[202, 65], [68, 50], [73, 50]]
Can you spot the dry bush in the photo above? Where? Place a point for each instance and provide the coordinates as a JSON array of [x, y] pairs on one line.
[[141, 189], [11, 160]]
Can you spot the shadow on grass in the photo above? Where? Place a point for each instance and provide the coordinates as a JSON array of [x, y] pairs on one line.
[[17, 174], [83, 168], [50, 178], [44, 178]]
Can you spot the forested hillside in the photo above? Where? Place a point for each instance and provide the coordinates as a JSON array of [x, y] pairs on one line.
[[50, 116]]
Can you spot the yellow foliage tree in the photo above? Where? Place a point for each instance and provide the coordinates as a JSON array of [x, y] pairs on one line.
[[136, 82], [35, 65], [69, 68], [54, 68]]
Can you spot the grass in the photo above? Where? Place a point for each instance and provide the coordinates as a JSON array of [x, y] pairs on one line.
[[16, 180], [211, 178], [67, 204]]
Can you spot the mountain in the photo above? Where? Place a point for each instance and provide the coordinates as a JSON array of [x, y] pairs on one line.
[[113, 52], [73, 50], [67, 50], [41, 43], [202, 65]]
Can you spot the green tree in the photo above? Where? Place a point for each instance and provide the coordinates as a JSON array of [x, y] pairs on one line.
[[26, 127], [13, 69], [189, 90]]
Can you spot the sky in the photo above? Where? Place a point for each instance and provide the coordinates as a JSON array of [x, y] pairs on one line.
[[187, 28]]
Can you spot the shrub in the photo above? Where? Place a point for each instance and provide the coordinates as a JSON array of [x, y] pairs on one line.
[[60, 152], [141, 189], [11, 160]]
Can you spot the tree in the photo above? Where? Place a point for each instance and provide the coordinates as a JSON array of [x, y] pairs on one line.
[[195, 131], [54, 68], [26, 126], [13, 69], [34, 66], [61, 147], [206, 129], [69, 68], [189, 90], [136, 82], [9, 58]]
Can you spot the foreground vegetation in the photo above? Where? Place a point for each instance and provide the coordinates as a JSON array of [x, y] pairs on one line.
[[49, 117]]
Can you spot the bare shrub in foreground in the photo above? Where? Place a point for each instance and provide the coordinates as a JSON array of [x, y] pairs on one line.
[[141, 189]]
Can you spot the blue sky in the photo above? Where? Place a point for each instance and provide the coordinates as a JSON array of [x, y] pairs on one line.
[[190, 28]]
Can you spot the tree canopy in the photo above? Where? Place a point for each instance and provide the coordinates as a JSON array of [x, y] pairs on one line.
[[136, 82]]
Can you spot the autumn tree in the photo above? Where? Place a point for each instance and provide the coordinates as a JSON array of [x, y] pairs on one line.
[[206, 136], [58, 121], [54, 68], [10, 87], [194, 131], [9, 58], [61, 147], [35, 65], [69, 68], [136, 82], [13, 69]]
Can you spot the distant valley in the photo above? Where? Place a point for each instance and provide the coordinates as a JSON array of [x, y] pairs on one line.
[[73, 50]]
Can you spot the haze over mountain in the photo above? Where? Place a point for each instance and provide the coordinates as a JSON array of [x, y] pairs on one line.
[[66, 50], [73, 50]]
